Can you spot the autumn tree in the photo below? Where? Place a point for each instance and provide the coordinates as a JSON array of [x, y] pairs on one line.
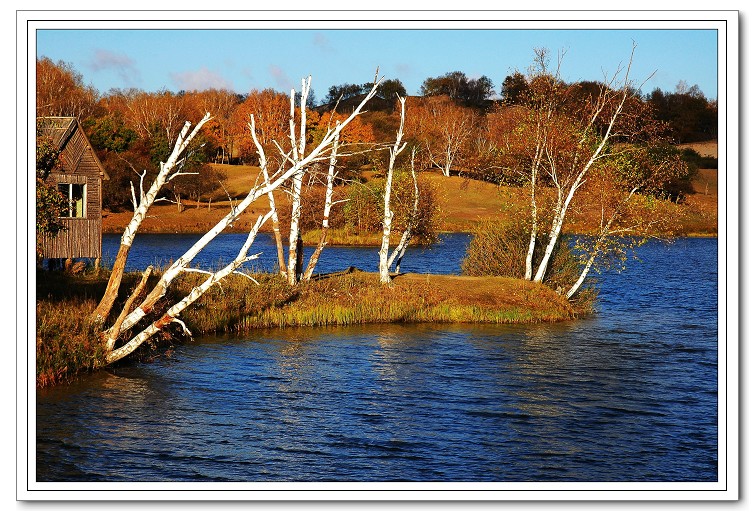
[[222, 104], [61, 91], [620, 193], [442, 129], [515, 89], [142, 205], [271, 110], [156, 116], [146, 306], [300, 137], [566, 141]]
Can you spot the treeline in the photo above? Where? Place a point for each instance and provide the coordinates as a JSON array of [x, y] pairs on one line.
[[457, 125]]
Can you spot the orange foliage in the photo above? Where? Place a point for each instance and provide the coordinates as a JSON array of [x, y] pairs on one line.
[[271, 111], [61, 91]]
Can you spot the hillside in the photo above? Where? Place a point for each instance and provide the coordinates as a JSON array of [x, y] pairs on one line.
[[463, 203]]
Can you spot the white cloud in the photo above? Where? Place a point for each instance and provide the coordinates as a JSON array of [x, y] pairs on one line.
[[200, 79], [282, 81], [122, 64], [321, 41]]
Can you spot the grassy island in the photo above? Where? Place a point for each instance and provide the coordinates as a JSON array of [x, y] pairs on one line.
[[67, 345]]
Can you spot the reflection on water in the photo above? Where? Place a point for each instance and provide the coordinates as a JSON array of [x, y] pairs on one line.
[[627, 395]]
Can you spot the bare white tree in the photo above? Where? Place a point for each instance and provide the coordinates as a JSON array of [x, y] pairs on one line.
[[293, 267], [298, 146], [330, 179], [271, 199], [288, 170], [386, 261], [141, 207], [567, 147]]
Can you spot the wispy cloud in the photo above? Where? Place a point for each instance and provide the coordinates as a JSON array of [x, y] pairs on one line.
[[282, 81], [201, 79], [122, 64], [404, 69], [323, 43]]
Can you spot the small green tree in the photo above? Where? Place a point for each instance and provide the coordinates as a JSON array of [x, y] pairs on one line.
[[50, 202], [110, 133]]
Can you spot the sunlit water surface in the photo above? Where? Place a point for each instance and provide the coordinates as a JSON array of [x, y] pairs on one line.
[[629, 394]]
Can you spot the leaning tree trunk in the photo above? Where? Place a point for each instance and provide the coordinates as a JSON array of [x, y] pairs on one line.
[[140, 212], [534, 172], [398, 253], [325, 213], [181, 265], [270, 198], [559, 217], [172, 314]]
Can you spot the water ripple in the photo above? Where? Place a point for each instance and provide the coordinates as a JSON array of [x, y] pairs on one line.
[[627, 395]]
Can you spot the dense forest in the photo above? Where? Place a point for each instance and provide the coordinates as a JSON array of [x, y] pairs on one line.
[[459, 125]]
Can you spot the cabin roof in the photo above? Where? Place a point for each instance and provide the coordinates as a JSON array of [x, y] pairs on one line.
[[60, 129]]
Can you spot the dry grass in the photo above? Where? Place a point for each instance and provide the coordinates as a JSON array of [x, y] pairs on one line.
[[464, 204], [67, 343], [359, 298]]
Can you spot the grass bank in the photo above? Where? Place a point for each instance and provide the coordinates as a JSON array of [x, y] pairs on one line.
[[67, 344]]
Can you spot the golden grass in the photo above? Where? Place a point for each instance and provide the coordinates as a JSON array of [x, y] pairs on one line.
[[359, 298], [464, 204], [67, 343]]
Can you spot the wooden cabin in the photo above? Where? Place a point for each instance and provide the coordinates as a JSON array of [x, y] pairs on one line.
[[78, 175]]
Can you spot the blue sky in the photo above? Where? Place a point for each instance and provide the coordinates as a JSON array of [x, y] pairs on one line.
[[242, 60]]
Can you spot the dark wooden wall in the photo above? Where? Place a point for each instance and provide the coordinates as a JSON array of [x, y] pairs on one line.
[[83, 237]]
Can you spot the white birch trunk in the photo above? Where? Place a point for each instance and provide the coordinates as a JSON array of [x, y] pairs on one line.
[[560, 216], [605, 231], [582, 275], [270, 198], [398, 253], [534, 172], [294, 238], [180, 265], [140, 212], [172, 314], [384, 266], [325, 213]]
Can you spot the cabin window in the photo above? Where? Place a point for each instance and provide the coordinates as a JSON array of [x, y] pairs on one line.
[[75, 194]]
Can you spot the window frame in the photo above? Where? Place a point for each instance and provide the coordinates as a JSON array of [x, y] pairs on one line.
[[67, 189]]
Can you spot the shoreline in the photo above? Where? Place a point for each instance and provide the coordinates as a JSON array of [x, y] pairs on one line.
[[67, 345]]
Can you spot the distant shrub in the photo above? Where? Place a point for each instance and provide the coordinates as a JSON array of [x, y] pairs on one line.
[[500, 249], [364, 210]]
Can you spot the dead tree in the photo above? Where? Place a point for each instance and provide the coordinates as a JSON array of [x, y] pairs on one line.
[[123, 325], [386, 261], [146, 199], [297, 150], [271, 199], [325, 214], [293, 268]]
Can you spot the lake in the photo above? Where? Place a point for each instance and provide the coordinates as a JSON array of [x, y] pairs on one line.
[[626, 395]]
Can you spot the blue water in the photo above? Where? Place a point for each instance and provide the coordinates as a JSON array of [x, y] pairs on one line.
[[160, 249], [629, 394]]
